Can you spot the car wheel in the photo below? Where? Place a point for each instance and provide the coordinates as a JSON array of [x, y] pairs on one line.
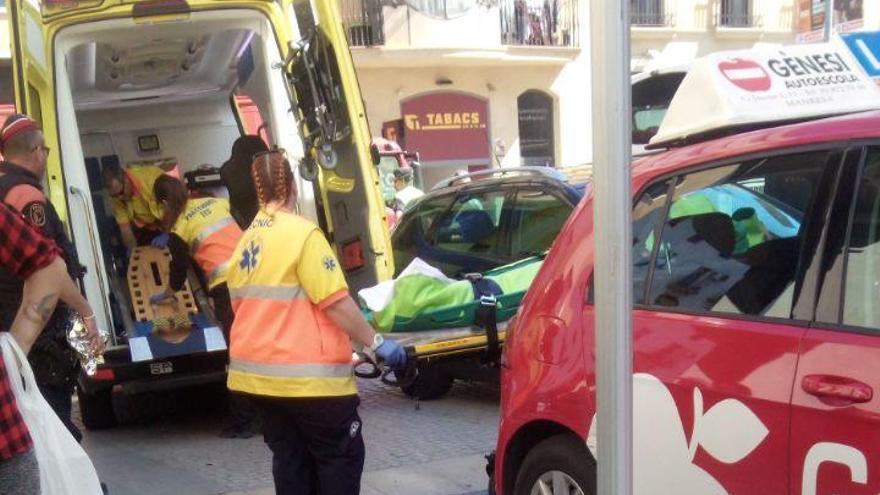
[[431, 383], [559, 465], [96, 409]]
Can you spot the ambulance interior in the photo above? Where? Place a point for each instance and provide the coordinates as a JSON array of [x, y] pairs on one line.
[[167, 92]]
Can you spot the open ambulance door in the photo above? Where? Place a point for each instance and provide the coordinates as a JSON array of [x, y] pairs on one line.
[[326, 101], [66, 184]]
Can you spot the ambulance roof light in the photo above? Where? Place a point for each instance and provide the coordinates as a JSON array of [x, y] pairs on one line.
[[730, 92]]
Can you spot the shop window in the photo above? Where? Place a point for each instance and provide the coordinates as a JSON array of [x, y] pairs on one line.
[[536, 139]]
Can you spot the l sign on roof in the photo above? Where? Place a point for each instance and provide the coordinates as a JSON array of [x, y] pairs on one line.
[[727, 91], [866, 48]]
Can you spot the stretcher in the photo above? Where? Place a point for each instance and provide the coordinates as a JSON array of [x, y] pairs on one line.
[[174, 328], [424, 348]]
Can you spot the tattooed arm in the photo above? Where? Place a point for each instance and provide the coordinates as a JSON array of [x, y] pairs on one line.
[[42, 290]]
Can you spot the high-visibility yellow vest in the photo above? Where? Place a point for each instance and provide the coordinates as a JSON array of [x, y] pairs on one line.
[[141, 209], [206, 225], [283, 274]]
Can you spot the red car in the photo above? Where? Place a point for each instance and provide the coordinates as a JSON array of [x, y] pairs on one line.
[[756, 327]]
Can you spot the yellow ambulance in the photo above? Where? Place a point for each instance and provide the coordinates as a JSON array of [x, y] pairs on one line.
[[158, 81]]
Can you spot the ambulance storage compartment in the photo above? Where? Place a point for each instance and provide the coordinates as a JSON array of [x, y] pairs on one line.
[[754, 281]]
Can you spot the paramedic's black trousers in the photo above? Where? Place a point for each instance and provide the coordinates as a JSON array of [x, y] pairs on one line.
[[316, 443]]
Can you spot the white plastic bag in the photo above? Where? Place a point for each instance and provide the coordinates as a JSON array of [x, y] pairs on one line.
[[65, 468]]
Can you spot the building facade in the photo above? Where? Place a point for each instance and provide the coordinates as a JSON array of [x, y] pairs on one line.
[[485, 83], [471, 84]]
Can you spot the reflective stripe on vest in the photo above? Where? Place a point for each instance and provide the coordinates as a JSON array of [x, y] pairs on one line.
[[216, 273], [211, 233], [268, 292], [208, 231], [292, 370]]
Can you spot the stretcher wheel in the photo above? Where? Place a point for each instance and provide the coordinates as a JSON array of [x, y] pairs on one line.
[[431, 382]]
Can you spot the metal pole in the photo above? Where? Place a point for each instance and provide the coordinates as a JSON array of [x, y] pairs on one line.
[[610, 49], [828, 25]]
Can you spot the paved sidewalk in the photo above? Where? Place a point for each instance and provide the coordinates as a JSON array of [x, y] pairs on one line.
[[461, 476], [169, 445]]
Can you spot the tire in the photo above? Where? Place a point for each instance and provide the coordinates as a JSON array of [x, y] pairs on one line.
[[559, 460], [431, 383], [96, 409]]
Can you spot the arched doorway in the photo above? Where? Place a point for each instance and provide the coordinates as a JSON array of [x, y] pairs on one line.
[[536, 138]]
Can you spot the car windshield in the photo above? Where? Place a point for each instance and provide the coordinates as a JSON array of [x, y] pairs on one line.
[[481, 227]]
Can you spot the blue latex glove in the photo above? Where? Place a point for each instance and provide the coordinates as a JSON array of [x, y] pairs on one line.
[[160, 297], [392, 353], [160, 241]]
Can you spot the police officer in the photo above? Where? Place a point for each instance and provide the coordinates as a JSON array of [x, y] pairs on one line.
[[54, 362], [292, 340]]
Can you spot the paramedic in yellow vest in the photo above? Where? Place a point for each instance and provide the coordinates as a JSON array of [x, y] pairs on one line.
[[203, 229], [134, 206], [292, 341]]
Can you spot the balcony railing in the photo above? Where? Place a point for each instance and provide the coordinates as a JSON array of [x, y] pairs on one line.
[[648, 13], [531, 22], [523, 22], [650, 19], [738, 20], [363, 22]]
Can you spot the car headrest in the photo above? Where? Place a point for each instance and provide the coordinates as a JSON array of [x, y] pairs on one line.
[[475, 225], [716, 229]]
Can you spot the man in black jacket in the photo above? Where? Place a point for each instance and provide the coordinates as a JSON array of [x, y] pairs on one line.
[[54, 362], [236, 176]]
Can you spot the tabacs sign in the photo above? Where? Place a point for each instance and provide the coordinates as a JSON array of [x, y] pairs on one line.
[[447, 126], [727, 90]]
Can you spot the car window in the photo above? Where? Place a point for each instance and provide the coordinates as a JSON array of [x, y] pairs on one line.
[[471, 225], [862, 286], [646, 217], [732, 237], [410, 237], [536, 218], [650, 101]]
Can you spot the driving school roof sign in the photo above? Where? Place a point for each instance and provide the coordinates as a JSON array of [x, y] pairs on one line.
[[727, 90]]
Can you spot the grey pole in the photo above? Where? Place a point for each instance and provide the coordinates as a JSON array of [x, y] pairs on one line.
[[610, 50], [828, 25]]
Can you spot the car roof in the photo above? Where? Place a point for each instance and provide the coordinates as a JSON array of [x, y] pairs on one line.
[[861, 125], [576, 188]]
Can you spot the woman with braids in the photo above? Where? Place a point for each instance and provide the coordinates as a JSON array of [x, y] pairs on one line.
[[292, 341], [203, 229]]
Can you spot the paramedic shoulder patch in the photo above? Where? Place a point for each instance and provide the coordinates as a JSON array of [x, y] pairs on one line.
[[329, 263], [35, 212]]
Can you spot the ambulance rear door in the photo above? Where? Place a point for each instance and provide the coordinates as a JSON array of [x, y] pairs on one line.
[[326, 100], [66, 186]]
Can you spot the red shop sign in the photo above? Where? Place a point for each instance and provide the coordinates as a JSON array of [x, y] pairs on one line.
[[447, 126]]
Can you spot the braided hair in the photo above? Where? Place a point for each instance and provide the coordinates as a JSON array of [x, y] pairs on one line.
[[273, 180]]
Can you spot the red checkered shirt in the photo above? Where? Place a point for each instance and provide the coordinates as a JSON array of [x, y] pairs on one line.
[[22, 251]]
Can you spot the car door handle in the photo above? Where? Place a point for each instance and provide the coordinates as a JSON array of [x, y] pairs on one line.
[[837, 390]]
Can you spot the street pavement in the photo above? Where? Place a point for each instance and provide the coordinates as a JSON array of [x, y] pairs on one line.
[[168, 445]]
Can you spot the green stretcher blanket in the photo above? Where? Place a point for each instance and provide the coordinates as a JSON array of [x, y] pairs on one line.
[[421, 298]]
